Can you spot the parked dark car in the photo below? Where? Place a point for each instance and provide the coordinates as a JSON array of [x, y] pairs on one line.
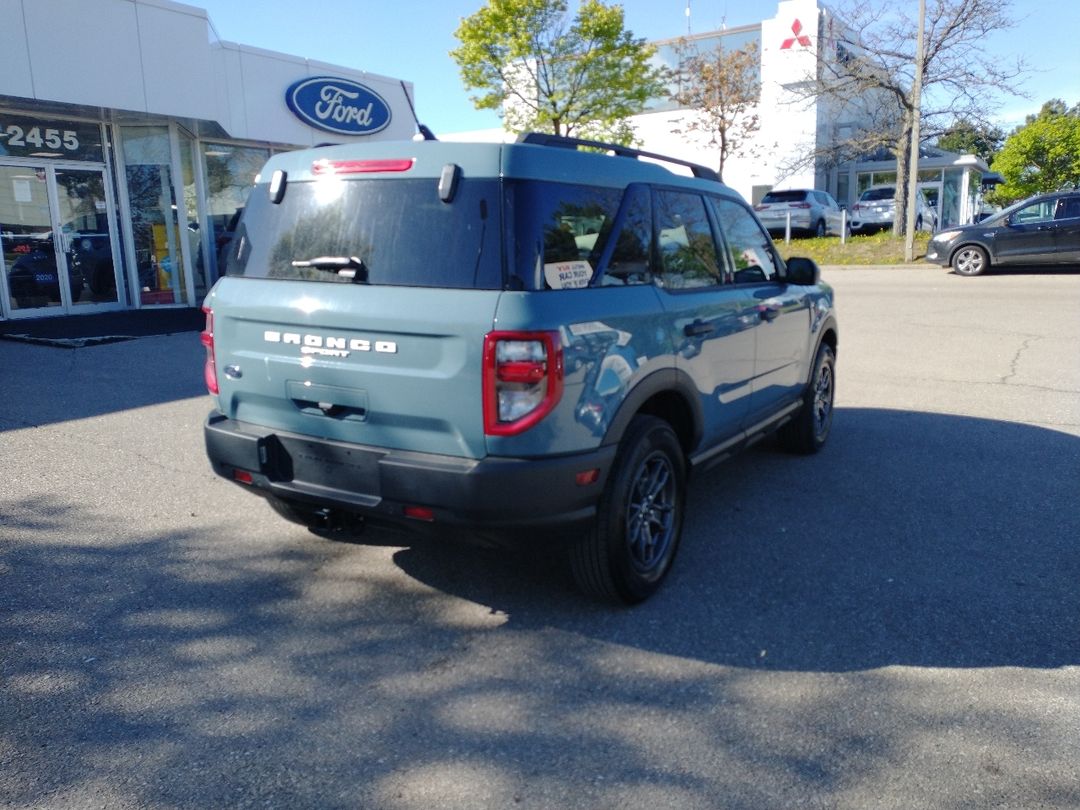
[[1040, 230], [34, 281]]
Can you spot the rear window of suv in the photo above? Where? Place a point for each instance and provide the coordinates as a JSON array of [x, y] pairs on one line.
[[875, 194], [400, 229], [784, 196]]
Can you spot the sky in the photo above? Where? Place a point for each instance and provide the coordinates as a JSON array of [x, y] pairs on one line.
[[411, 40]]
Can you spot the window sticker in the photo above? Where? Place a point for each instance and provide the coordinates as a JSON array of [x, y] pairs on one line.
[[568, 275]]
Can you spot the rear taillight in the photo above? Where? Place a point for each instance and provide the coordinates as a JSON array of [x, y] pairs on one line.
[[760, 207], [523, 380], [324, 167], [209, 368], [800, 205]]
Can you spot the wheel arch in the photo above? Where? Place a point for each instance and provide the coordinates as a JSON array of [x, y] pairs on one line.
[[829, 334], [669, 395], [990, 259]]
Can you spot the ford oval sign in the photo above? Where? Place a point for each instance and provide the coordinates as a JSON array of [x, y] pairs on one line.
[[338, 105]]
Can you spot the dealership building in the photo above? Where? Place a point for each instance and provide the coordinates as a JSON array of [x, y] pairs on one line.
[[123, 162], [791, 147]]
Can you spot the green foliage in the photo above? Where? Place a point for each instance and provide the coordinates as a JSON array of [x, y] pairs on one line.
[[882, 248], [545, 72], [1042, 155], [967, 138]]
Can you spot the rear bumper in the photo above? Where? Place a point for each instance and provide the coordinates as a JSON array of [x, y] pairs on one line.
[[799, 222], [377, 483], [875, 223]]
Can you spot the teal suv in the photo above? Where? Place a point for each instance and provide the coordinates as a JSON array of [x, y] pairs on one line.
[[530, 342]]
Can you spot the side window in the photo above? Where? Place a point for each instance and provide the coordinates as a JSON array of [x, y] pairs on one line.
[[560, 230], [1069, 208], [1042, 211], [688, 255], [748, 246], [629, 262]]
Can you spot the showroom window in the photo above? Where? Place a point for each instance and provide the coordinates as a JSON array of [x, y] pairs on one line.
[[230, 172], [155, 229]]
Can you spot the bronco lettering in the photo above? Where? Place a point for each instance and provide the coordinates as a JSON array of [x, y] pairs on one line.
[[334, 346]]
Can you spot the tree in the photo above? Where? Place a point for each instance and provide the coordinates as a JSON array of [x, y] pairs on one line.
[[1042, 155], [970, 138], [545, 72], [721, 90], [871, 69]]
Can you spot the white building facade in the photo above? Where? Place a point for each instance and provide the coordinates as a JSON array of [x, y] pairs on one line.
[[125, 155], [797, 128]]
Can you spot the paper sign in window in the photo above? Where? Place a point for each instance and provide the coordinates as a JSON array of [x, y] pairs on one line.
[[568, 275]]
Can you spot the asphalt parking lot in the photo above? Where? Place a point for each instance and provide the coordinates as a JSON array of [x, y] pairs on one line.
[[893, 623]]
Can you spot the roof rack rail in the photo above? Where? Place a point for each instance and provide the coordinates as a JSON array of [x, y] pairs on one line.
[[566, 142]]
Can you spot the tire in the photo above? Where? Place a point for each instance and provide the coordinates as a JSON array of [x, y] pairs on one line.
[[629, 549], [918, 224], [808, 431], [819, 231], [970, 260]]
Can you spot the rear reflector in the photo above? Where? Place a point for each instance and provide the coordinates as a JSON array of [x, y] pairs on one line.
[[420, 513], [243, 476], [583, 479], [324, 167]]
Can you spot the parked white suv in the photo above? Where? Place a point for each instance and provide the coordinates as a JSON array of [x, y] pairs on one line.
[[876, 210], [812, 212]]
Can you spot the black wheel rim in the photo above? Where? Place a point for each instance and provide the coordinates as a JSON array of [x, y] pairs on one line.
[[651, 513], [823, 399]]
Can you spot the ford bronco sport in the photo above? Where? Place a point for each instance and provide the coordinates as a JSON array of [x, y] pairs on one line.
[[507, 340]]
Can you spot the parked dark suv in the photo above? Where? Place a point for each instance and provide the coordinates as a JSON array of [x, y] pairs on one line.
[[522, 342], [1040, 230]]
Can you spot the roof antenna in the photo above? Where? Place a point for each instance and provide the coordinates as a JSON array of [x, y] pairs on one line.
[[426, 133]]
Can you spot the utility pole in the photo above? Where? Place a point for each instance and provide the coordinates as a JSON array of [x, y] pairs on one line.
[[913, 161]]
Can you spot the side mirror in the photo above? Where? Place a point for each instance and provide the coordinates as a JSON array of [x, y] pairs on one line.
[[802, 271]]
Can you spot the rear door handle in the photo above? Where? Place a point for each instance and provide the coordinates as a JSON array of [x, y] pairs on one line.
[[768, 313], [699, 328]]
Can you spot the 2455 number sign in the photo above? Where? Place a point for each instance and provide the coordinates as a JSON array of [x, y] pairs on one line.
[[32, 137]]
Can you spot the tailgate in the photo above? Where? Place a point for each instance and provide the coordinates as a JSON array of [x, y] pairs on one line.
[[393, 367]]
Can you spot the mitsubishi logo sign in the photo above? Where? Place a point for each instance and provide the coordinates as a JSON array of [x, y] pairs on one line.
[[800, 37]]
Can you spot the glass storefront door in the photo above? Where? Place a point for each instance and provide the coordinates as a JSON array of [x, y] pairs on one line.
[[158, 238], [57, 235], [86, 235]]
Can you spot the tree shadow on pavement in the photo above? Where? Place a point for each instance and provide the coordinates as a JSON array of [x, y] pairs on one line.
[[198, 667], [913, 539]]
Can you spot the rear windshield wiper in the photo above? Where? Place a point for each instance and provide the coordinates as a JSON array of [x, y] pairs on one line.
[[345, 266]]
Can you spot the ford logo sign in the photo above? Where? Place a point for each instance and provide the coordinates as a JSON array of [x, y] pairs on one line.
[[338, 105]]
